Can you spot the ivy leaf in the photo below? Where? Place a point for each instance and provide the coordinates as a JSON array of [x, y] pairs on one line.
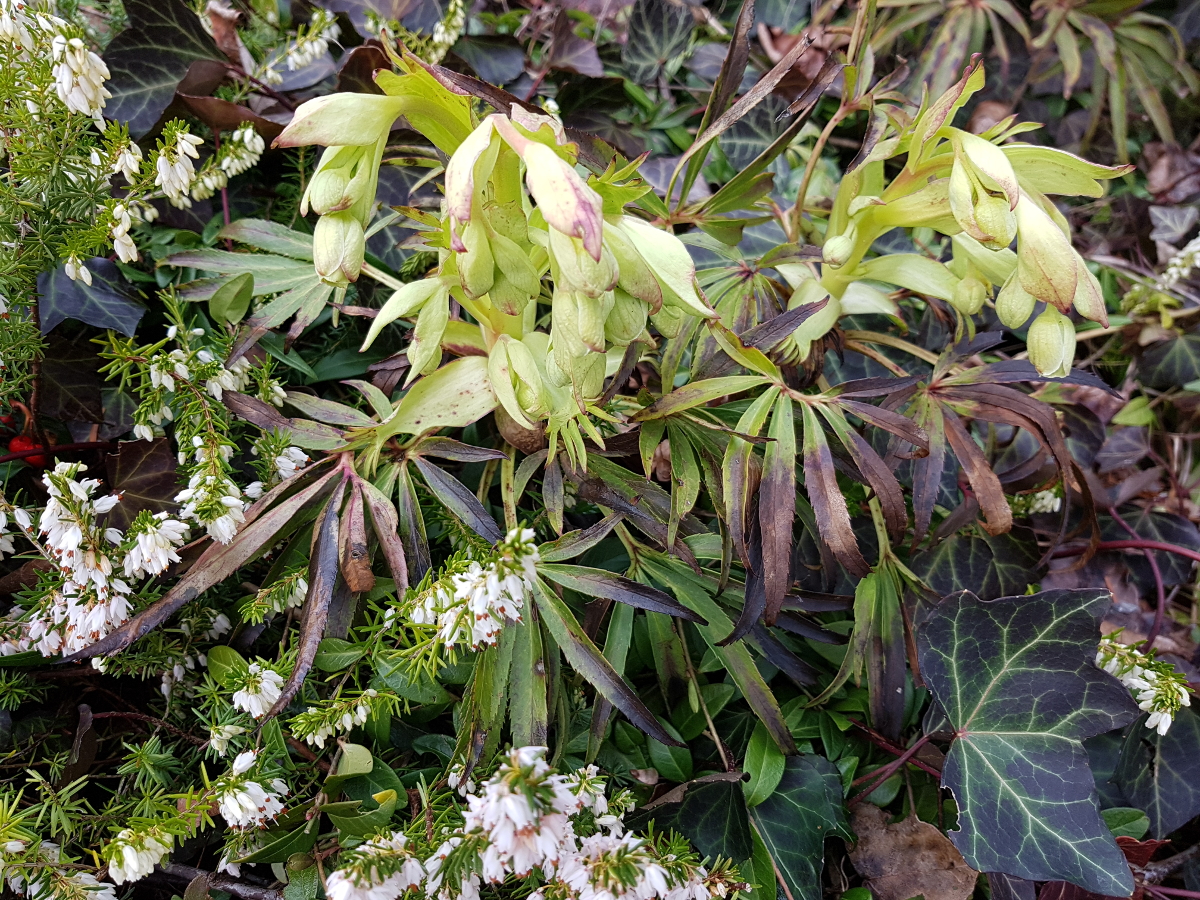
[[781, 13], [1161, 773], [1016, 680], [794, 821], [659, 31], [713, 817], [1172, 362], [998, 566], [103, 303], [150, 58], [145, 474]]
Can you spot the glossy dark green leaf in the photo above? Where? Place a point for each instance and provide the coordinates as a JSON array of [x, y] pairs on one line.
[[225, 664], [599, 583], [672, 763], [794, 821], [658, 32], [282, 844], [354, 760], [1161, 773], [713, 817], [105, 303], [1171, 363], [366, 822], [1018, 684], [994, 566], [150, 58], [392, 672], [146, 475], [335, 654], [764, 764]]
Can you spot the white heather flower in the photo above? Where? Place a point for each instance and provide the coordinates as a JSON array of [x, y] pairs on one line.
[[128, 162], [133, 856], [175, 172], [155, 539], [208, 182], [524, 811], [77, 271], [244, 803], [79, 76], [382, 868], [242, 151], [473, 607], [289, 462], [1158, 689], [122, 242], [313, 43], [259, 692]]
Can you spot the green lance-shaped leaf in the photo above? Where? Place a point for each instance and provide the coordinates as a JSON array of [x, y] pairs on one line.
[[1016, 680], [794, 821], [586, 659], [459, 500]]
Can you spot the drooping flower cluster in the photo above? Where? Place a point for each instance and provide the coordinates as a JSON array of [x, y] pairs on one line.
[[381, 868], [312, 42], [471, 606], [319, 723], [132, 855], [287, 593], [243, 802], [175, 172], [236, 155], [1047, 501], [152, 540], [79, 76], [524, 819], [1158, 688], [258, 691]]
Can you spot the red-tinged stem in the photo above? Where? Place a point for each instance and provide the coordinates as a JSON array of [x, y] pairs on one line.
[[1172, 892], [57, 448], [884, 744], [1160, 606], [882, 774], [1132, 545]]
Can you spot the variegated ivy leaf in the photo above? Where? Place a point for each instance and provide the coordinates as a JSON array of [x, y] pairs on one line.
[[1018, 684]]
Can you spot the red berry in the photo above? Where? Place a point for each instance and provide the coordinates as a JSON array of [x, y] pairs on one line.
[[21, 443], [9, 422]]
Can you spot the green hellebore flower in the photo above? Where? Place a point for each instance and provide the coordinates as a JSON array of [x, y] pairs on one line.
[[983, 190], [338, 247], [836, 251], [1051, 343], [969, 295], [1046, 261]]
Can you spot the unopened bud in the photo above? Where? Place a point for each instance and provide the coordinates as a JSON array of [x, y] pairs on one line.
[[969, 295], [338, 247], [1051, 343], [837, 250], [327, 192], [1014, 305]]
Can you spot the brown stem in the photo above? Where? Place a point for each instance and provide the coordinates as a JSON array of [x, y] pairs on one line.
[[882, 774], [159, 723], [222, 883], [1130, 545], [1157, 871]]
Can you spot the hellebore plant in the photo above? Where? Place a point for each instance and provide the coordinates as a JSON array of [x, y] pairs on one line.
[[982, 193], [517, 210]]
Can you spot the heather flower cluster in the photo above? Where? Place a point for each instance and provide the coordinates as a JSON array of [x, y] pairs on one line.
[[471, 606], [1158, 688], [258, 691], [244, 802], [525, 819], [90, 594], [319, 723], [312, 42]]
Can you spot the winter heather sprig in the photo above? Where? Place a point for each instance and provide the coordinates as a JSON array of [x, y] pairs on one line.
[[1158, 688]]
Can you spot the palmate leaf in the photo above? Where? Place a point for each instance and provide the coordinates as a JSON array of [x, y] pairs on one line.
[[1016, 680], [794, 821], [1161, 773]]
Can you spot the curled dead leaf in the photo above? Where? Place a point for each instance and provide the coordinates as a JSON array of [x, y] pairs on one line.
[[908, 858]]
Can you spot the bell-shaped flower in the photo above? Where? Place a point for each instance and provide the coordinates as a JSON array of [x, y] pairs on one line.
[[1089, 296], [338, 247], [983, 190], [574, 268], [1051, 343], [1014, 305], [342, 120], [1046, 261], [669, 261]]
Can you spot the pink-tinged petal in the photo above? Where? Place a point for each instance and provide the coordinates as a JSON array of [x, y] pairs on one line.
[[566, 201], [460, 172]]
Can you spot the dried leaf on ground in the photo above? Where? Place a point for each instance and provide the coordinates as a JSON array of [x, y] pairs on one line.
[[908, 858]]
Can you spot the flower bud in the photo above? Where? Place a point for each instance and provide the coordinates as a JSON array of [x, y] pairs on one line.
[[1014, 305], [626, 321], [983, 190], [338, 247], [327, 191], [576, 270], [837, 250], [796, 347], [1051, 343], [476, 267], [1045, 259], [969, 295]]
